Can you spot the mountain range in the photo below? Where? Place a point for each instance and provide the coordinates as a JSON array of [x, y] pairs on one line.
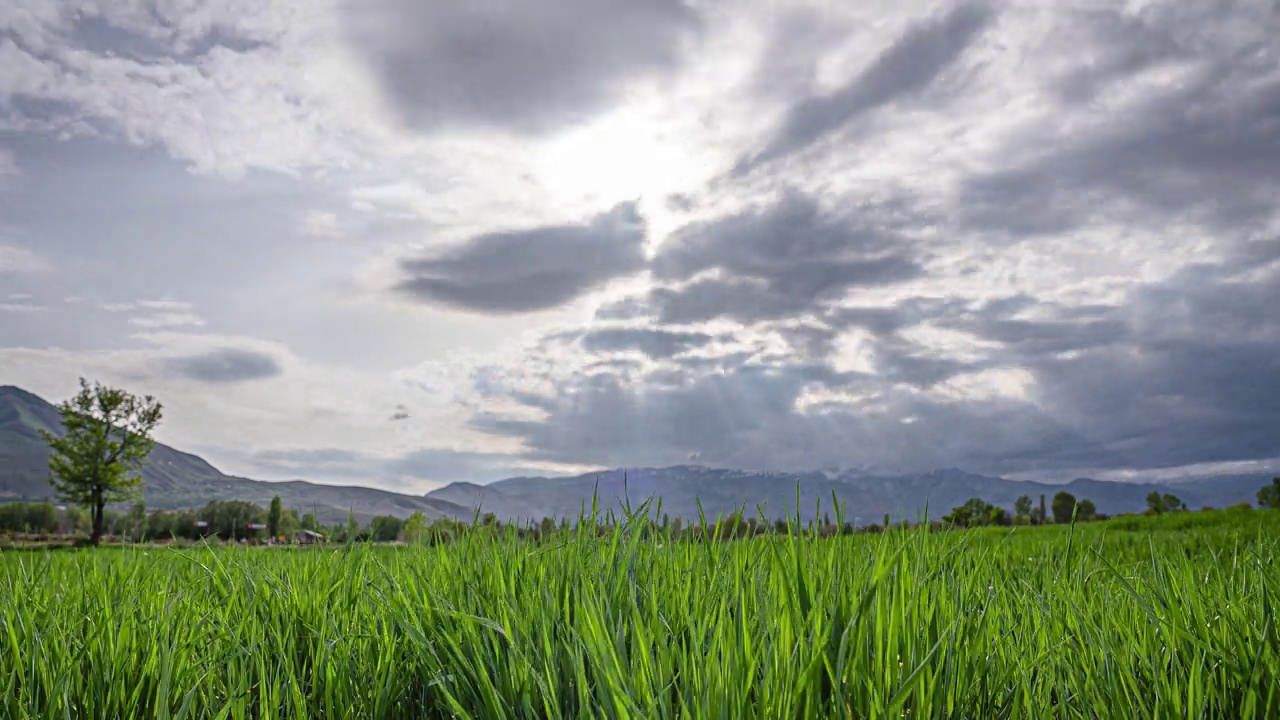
[[174, 479]]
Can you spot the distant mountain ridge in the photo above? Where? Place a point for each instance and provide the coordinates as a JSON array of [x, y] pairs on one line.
[[174, 479], [866, 498]]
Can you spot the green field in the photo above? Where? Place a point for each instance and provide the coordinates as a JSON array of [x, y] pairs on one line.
[[1169, 617]]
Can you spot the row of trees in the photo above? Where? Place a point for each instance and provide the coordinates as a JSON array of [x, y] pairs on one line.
[[1066, 508], [976, 512], [37, 518]]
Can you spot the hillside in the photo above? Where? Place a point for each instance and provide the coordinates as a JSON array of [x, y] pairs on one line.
[[174, 479], [867, 498]]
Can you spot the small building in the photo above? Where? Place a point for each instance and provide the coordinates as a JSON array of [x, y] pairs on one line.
[[308, 537]]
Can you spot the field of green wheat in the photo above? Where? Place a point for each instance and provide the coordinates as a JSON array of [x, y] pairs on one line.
[[1146, 618]]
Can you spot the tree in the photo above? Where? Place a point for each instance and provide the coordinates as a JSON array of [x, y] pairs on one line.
[[973, 513], [415, 528], [288, 523], [273, 516], [107, 437], [138, 521], [41, 517], [1086, 510], [230, 520], [1022, 507], [1064, 503], [77, 520], [997, 516], [1157, 503], [13, 517], [1269, 495], [385, 528], [353, 528], [159, 525]]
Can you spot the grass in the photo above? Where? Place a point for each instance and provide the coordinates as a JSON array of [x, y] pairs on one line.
[[1095, 621]]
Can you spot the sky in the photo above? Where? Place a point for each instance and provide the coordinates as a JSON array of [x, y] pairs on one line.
[[399, 243]]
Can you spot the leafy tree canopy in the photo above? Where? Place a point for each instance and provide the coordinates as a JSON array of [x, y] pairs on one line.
[[106, 438]]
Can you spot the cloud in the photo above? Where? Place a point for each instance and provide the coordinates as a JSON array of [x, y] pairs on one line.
[[1206, 153], [321, 224], [1189, 133], [165, 72], [518, 65], [1168, 376], [167, 320], [408, 472], [21, 308], [444, 465], [14, 260], [226, 366], [908, 66], [172, 305], [648, 341], [527, 270], [611, 422], [781, 260]]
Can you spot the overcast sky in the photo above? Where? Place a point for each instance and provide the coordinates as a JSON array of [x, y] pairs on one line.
[[401, 243]]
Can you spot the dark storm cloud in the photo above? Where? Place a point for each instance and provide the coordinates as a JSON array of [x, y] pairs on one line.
[[226, 366], [777, 261], [1114, 43], [744, 300], [615, 423], [527, 270], [908, 66], [1203, 148], [1178, 374], [521, 65], [886, 320], [750, 418], [657, 344]]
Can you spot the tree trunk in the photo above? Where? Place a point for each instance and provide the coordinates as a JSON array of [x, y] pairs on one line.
[[98, 505]]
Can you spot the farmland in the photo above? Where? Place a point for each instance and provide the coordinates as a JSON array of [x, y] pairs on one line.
[[1134, 617]]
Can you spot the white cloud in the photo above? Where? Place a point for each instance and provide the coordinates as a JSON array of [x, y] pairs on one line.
[[854, 352], [167, 320], [175, 305], [321, 224], [14, 259], [1007, 383]]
